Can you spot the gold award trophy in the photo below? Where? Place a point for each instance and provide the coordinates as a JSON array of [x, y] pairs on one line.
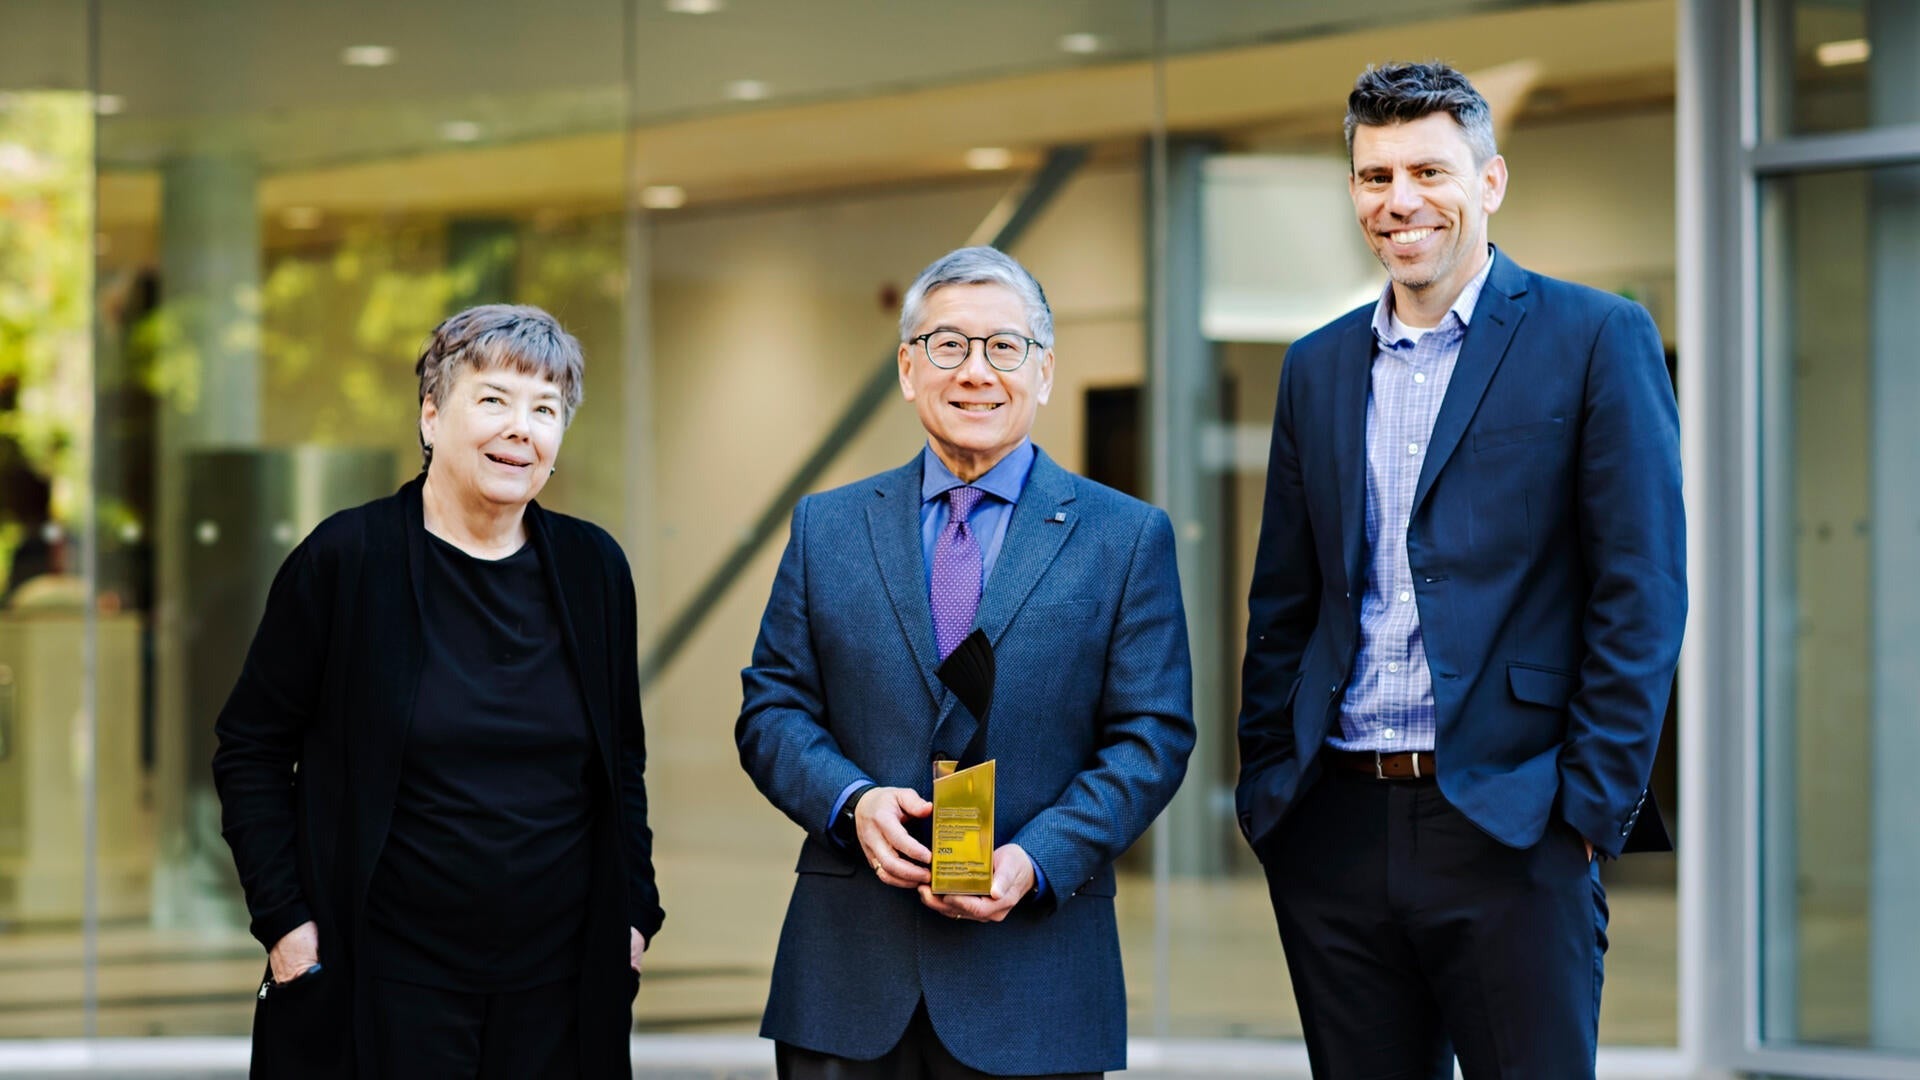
[[963, 796]]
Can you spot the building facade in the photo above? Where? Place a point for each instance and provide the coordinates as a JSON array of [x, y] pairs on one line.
[[226, 228]]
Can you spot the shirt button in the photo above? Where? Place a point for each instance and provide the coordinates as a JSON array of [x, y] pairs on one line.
[[1395, 666], [1419, 376], [1413, 448], [1405, 595], [1387, 734]]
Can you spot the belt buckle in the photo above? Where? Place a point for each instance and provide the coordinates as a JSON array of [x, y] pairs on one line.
[[1380, 765]]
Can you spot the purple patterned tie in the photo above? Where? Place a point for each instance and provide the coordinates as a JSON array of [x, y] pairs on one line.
[[956, 573]]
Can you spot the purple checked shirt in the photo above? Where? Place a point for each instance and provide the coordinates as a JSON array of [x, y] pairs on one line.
[[1389, 702]]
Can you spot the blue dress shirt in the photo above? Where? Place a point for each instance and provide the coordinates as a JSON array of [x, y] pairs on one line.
[[1389, 704]]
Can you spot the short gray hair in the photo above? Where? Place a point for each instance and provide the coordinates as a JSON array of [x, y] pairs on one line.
[[1399, 93], [979, 266], [517, 337]]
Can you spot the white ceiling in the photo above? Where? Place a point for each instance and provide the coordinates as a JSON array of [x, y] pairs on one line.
[[265, 75]]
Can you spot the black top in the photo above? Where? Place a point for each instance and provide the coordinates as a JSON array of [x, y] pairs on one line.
[[329, 686], [484, 877]]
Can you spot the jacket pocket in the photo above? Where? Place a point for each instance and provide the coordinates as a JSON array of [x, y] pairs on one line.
[[1541, 685], [301, 1028], [1519, 433]]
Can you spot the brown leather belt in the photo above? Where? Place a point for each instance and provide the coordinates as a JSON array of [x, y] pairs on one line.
[[1407, 765]]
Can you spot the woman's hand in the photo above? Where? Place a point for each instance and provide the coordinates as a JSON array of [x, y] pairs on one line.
[[296, 953], [636, 949]]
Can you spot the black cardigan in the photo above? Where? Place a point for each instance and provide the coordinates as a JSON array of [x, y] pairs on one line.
[[309, 754]]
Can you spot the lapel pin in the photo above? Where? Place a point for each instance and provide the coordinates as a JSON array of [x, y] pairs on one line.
[[1059, 515]]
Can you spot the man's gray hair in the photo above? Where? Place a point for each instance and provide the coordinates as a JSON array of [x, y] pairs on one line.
[[979, 266], [517, 337], [1399, 93]]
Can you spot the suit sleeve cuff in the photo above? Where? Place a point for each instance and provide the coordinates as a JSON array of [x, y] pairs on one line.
[[269, 927], [840, 804]]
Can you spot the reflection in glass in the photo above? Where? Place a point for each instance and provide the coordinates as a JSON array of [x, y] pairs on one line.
[[1830, 67], [1840, 816], [277, 237], [46, 416]]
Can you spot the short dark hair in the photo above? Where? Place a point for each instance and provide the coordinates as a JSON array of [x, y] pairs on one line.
[[1398, 93]]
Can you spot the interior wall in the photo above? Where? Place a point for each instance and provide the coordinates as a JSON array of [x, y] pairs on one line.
[[1591, 199]]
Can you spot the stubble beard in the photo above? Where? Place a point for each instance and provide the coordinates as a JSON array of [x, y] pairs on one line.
[[1418, 279]]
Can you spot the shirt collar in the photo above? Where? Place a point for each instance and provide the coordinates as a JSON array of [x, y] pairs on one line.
[[1004, 481], [1462, 308]]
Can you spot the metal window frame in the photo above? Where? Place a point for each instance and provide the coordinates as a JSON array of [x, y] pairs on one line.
[[1722, 169]]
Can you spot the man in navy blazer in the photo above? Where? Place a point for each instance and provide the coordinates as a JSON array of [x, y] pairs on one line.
[[1075, 586], [1465, 616]]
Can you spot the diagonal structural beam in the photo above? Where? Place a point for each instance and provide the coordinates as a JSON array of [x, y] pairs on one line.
[[1002, 229]]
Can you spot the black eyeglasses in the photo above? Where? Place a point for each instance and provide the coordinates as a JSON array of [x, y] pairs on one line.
[[948, 349]]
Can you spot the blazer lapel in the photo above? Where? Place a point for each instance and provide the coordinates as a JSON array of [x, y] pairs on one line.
[[893, 524], [408, 630], [391, 587], [570, 598], [1496, 316], [1354, 376], [1041, 522]]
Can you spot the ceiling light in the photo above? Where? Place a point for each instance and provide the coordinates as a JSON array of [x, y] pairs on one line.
[[663, 197], [301, 218], [460, 131], [694, 7], [1842, 53], [989, 158], [746, 90], [1080, 44], [109, 104], [367, 55]]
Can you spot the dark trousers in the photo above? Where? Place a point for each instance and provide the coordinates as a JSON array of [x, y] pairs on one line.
[[918, 1056], [428, 1033], [1412, 936]]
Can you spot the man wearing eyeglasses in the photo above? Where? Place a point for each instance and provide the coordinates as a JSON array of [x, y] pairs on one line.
[[1075, 586]]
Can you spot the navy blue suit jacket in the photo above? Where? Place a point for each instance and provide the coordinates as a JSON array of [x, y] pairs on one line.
[[1547, 544], [1091, 726]]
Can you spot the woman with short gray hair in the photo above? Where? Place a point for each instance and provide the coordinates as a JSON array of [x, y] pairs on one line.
[[431, 768]]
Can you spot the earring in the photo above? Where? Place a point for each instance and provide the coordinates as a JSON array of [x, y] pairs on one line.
[[551, 469]]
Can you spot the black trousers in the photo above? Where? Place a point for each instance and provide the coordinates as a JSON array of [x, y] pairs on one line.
[[918, 1056], [1412, 936], [427, 1033]]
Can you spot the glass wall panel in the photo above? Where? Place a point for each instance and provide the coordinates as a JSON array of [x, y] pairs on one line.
[[797, 165], [48, 615], [1582, 100], [292, 196], [1841, 850], [723, 200], [1831, 66]]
